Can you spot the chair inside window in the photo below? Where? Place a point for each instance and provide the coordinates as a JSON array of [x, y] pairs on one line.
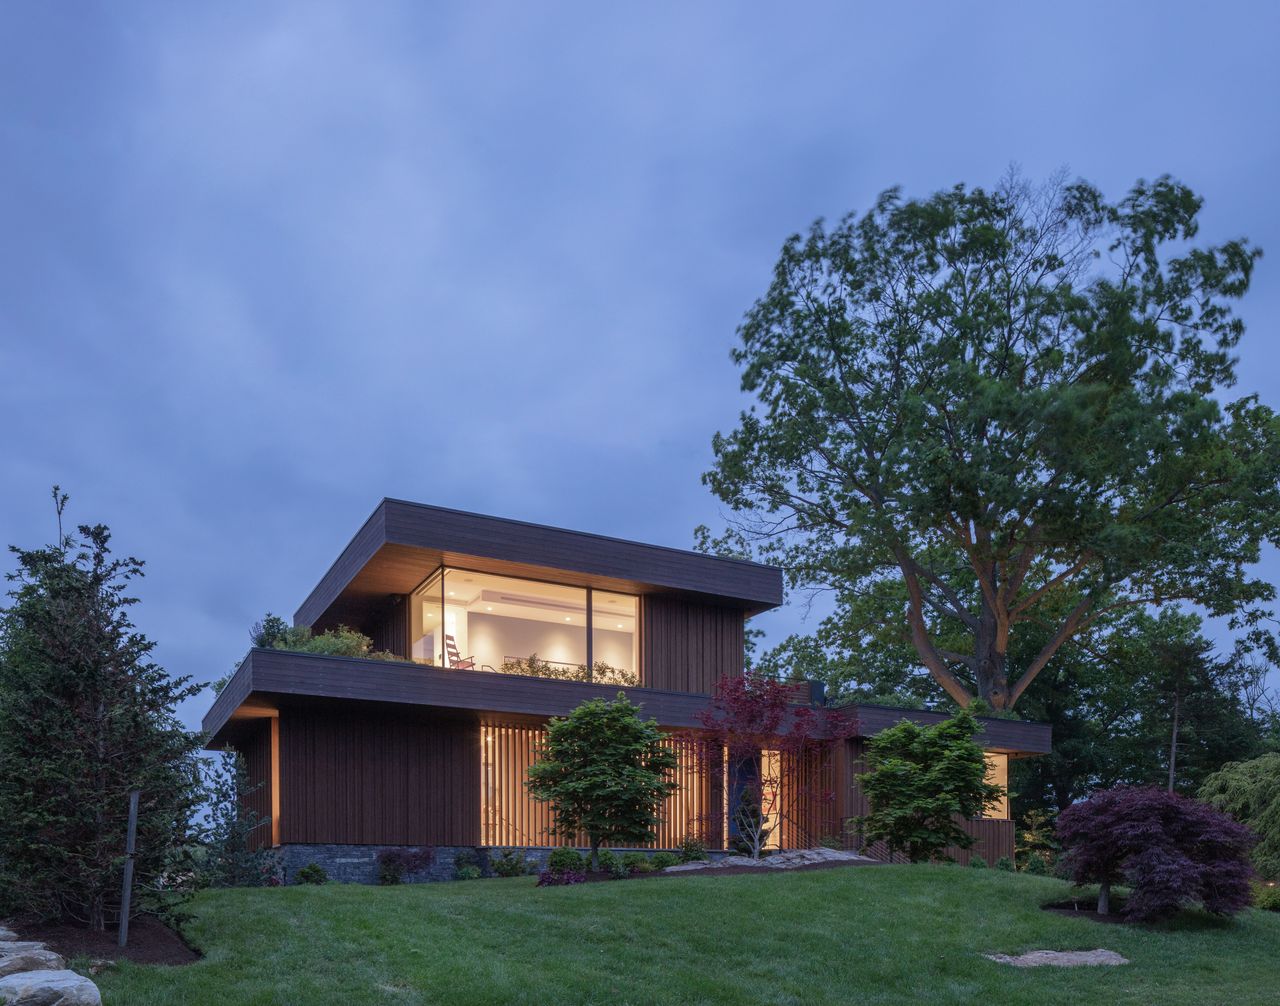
[[456, 659]]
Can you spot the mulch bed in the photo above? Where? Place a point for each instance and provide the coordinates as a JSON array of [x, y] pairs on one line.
[[150, 942], [1087, 908], [726, 871]]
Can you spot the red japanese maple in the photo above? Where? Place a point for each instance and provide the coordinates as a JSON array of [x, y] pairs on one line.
[[776, 750]]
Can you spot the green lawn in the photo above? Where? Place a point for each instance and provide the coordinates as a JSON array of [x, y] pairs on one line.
[[877, 935]]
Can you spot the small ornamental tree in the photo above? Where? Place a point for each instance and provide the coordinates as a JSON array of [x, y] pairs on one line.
[[1250, 792], [605, 772], [1170, 850], [920, 780], [774, 749], [236, 842]]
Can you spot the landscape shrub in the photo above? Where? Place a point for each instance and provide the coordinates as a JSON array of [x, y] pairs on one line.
[[511, 863], [559, 878], [830, 842], [661, 860], [692, 849], [1266, 896], [466, 865], [618, 870], [393, 864], [637, 862], [312, 873], [563, 859], [608, 861], [978, 863], [1170, 850], [1250, 792], [1004, 863], [1036, 866]]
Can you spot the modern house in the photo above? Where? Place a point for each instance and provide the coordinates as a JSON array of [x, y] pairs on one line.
[[498, 625]]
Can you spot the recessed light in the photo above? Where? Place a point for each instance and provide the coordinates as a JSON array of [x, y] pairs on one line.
[[567, 618], [488, 607], [619, 625], [451, 593]]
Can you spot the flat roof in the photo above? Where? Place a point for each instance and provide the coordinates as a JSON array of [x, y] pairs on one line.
[[402, 542]]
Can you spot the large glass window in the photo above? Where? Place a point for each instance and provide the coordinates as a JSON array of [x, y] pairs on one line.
[[482, 622], [615, 653], [426, 622]]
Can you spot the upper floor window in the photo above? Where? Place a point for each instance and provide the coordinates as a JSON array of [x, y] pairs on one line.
[[477, 621]]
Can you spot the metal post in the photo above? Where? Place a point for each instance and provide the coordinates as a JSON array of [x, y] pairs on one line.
[[126, 895]]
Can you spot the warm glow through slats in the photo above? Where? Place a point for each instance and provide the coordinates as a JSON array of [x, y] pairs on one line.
[[510, 817]]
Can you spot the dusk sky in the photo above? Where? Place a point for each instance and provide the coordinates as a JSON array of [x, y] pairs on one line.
[[264, 264]]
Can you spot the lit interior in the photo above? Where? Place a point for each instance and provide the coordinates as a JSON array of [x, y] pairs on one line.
[[998, 775], [478, 621]]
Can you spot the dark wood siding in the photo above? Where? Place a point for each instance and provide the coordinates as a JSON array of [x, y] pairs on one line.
[[994, 837], [686, 646], [253, 743], [378, 778], [389, 628]]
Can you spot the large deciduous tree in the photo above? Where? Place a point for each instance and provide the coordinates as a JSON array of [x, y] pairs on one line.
[[976, 405], [605, 771], [85, 717]]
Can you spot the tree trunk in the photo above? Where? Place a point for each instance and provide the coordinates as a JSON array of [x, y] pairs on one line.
[[992, 668], [1104, 898], [595, 854], [1173, 740]]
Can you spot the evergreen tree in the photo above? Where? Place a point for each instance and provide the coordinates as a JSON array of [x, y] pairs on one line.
[[85, 717]]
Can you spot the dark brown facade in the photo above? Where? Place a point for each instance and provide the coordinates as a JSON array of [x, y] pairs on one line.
[[408, 751]]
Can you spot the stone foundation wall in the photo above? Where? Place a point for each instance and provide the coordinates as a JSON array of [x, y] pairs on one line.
[[358, 864]]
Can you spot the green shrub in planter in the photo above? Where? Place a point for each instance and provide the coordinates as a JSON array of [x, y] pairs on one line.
[[468, 873], [978, 863], [312, 873], [566, 860], [692, 849], [661, 860], [637, 862], [1004, 863]]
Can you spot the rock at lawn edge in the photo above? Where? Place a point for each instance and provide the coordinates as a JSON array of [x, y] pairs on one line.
[[48, 988], [25, 956], [7, 934], [1060, 958]]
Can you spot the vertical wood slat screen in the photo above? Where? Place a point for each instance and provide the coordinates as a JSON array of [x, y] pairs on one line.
[[511, 817]]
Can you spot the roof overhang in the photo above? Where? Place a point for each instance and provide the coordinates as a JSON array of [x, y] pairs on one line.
[[266, 680], [402, 543]]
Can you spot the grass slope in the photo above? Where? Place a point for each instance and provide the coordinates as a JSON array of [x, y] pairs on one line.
[[883, 935]]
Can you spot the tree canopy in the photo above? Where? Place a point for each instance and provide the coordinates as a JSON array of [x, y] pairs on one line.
[[991, 414]]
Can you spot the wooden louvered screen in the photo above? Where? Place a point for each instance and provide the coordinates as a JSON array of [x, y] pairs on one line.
[[511, 817]]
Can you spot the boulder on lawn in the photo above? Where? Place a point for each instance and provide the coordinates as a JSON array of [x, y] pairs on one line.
[[7, 934], [18, 956], [48, 988]]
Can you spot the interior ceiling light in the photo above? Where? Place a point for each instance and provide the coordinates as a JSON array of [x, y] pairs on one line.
[[567, 618]]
